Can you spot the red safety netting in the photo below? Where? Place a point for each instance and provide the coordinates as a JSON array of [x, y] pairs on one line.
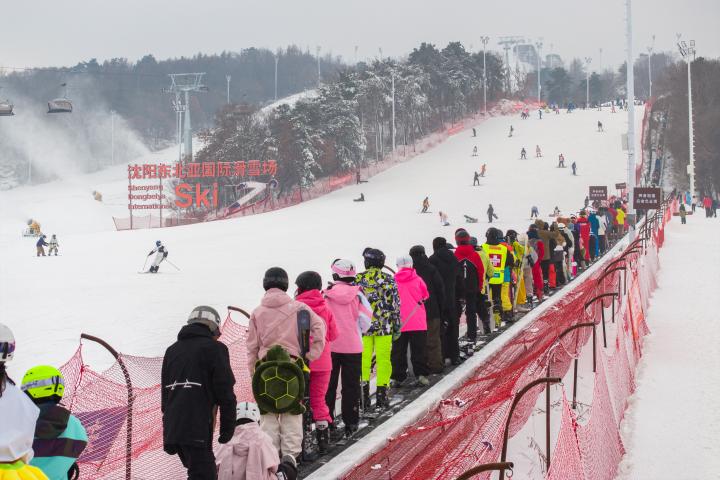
[[460, 432], [450, 439], [100, 401]]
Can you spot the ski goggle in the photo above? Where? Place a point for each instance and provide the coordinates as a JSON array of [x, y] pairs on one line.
[[6, 350]]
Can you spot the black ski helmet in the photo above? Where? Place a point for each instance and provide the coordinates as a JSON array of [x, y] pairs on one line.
[[373, 258], [308, 281], [511, 235], [417, 251], [275, 277]]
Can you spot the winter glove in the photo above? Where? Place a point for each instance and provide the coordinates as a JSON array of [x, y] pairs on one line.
[[225, 437]]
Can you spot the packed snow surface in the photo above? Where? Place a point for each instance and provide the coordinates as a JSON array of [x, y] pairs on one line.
[[94, 286], [672, 427]]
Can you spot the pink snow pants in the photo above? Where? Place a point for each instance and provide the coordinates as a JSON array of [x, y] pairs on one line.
[[319, 382]]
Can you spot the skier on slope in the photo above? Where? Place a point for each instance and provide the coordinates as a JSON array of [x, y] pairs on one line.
[[538, 152], [41, 243], [600, 126], [476, 179], [161, 254], [574, 168], [523, 154], [511, 131], [482, 169], [475, 154], [491, 213], [425, 205], [534, 212], [53, 245], [561, 161]]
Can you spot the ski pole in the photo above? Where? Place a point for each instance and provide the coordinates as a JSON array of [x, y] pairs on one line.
[[144, 263], [175, 266]]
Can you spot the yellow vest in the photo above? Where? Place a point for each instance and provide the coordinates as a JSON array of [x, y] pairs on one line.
[[498, 258]]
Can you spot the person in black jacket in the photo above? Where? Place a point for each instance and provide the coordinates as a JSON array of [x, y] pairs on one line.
[[436, 289], [196, 378], [447, 265]]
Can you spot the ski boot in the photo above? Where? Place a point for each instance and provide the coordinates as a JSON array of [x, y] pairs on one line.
[[498, 319], [381, 398], [366, 406], [323, 437]]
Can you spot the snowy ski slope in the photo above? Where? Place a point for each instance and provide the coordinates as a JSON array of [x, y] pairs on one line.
[[94, 286]]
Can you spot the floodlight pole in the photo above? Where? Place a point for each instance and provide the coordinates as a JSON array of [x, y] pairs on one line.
[[539, 45], [588, 61], [650, 52], [484, 41], [392, 79], [277, 58], [227, 78], [317, 50], [630, 87], [688, 53], [112, 137]]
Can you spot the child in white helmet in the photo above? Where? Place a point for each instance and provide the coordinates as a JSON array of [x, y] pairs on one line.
[[250, 454], [18, 416]]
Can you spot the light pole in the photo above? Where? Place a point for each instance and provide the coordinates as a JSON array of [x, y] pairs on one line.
[[539, 45], [600, 62], [688, 53], [650, 52], [630, 88], [588, 61], [317, 50], [227, 78], [112, 137], [484, 41], [277, 57], [392, 77]]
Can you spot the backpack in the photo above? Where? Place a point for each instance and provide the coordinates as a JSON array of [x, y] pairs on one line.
[[467, 279]]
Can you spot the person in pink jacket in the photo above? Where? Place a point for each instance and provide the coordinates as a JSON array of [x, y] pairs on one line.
[[275, 322], [250, 454], [413, 331], [308, 292], [353, 315]]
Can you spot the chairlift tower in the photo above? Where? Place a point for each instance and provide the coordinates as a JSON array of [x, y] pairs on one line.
[[181, 85], [507, 43]]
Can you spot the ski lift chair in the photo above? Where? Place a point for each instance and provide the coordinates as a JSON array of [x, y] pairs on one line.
[[61, 105], [6, 108]]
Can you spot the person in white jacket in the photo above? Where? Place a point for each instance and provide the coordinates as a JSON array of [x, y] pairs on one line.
[[18, 416]]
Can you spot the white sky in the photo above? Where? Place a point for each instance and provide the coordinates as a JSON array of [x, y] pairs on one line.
[[42, 33]]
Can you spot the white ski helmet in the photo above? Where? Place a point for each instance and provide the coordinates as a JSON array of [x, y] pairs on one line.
[[7, 344], [247, 410]]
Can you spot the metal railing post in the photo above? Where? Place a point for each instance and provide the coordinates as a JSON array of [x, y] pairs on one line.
[[517, 398], [602, 310], [130, 400]]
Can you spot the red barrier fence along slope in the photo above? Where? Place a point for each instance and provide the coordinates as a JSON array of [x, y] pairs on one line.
[[450, 439]]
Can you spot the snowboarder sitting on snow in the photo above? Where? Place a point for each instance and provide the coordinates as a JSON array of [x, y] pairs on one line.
[[425, 205], [250, 453], [361, 198], [34, 227], [538, 152], [476, 179], [470, 219], [161, 254], [53, 245], [41, 243], [444, 219], [523, 154]]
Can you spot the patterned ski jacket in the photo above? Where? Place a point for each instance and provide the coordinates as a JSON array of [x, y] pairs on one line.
[[382, 293]]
